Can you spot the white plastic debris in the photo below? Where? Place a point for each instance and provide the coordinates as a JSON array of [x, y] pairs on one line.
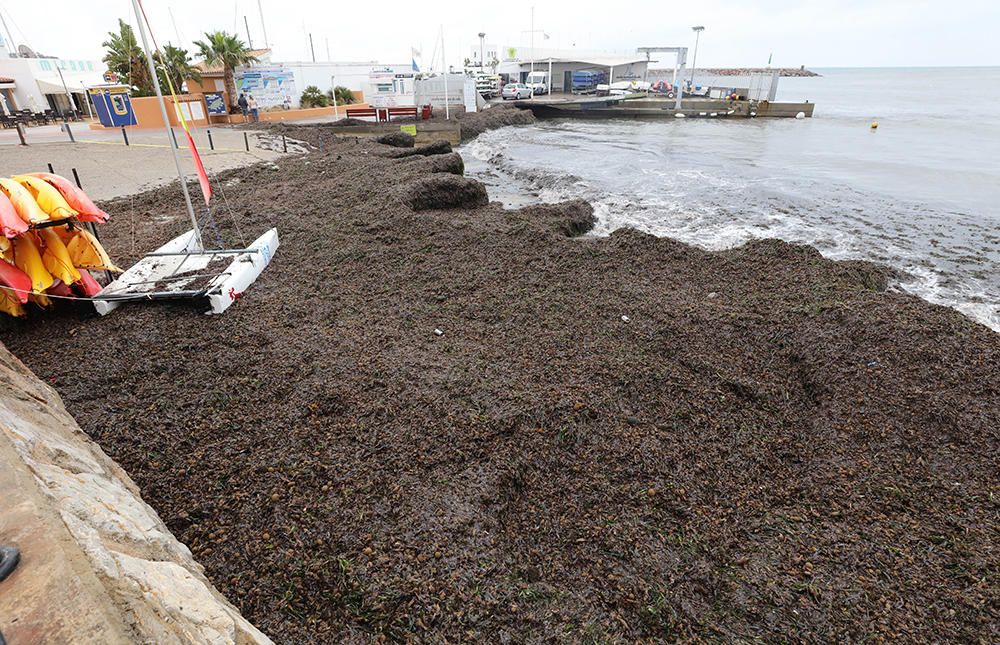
[[438, 332], [625, 318]]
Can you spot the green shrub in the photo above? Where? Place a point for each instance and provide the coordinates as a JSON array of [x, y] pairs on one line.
[[344, 95], [312, 96]]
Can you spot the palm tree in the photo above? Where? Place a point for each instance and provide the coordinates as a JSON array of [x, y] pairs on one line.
[[221, 48], [344, 95], [175, 65], [125, 58]]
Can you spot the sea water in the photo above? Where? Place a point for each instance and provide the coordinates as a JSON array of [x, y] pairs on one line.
[[921, 193]]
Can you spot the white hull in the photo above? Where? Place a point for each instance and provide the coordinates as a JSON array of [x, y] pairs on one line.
[[171, 271]]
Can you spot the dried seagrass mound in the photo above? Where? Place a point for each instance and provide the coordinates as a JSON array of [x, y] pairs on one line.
[[397, 139], [433, 148], [443, 190]]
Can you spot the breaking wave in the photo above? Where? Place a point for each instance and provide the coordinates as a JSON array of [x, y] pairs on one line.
[[947, 258]]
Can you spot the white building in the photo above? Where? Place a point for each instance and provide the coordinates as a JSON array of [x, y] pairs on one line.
[[39, 84], [457, 91], [384, 85], [274, 84], [488, 52], [517, 62]]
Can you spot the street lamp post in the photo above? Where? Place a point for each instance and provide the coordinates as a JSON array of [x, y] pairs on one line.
[[482, 48], [694, 61], [532, 43], [545, 36]]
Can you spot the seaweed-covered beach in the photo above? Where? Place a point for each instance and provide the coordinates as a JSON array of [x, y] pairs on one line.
[[435, 420]]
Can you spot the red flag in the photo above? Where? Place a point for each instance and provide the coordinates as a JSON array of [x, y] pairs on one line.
[[206, 188]]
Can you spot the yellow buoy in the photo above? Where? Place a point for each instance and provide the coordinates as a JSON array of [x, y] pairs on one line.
[[874, 125]]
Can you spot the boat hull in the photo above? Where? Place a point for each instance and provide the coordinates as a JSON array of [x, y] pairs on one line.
[[177, 270]]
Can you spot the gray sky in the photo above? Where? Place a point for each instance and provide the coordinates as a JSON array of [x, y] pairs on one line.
[[815, 33]]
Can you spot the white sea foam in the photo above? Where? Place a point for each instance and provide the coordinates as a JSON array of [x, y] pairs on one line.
[[716, 204]]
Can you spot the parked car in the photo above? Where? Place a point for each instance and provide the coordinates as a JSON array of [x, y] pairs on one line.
[[515, 91]]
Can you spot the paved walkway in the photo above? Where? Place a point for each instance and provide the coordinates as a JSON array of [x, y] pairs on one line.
[[108, 168]]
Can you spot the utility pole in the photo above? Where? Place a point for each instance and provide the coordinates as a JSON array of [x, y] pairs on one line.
[[177, 33], [10, 37], [333, 91], [247, 25], [444, 64], [263, 26], [311, 49], [532, 41], [482, 48]]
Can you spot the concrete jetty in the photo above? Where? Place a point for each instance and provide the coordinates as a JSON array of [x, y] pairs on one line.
[[640, 106]]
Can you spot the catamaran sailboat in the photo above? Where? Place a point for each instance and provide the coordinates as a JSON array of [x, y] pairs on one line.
[[183, 268]]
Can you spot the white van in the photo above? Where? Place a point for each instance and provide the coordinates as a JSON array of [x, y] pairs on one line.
[[538, 82]]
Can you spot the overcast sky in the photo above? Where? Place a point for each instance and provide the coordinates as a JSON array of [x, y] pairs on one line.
[[814, 33]]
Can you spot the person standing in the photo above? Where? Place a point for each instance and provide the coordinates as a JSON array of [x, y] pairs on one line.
[[254, 112], [243, 105]]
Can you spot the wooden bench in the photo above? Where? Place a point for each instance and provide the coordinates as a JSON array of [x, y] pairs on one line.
[[382, 115], [401, 111], [362, 112]]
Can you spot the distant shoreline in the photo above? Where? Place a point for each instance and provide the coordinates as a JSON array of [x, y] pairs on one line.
[[800, 72]]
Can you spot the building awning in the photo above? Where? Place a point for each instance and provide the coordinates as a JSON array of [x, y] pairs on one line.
[[48, 87]]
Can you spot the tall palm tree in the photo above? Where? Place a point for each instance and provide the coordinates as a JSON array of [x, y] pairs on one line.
[[125, 58], [175, 64], [221, 48]]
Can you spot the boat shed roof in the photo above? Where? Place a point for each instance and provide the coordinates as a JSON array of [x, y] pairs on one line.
[[596, 61]]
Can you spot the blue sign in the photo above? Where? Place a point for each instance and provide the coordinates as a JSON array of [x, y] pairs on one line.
[[112, 105], [216, 102]]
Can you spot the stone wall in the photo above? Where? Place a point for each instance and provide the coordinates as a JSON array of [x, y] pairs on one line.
[[97, 563]]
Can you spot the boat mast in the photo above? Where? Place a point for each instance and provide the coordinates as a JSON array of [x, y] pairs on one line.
[[196, 239]]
